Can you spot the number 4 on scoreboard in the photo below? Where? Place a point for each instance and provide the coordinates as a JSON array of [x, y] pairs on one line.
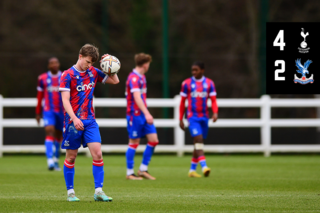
[[279, 41]]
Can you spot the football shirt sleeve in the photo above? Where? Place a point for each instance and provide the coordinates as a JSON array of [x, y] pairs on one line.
[[40, 86], [65, 82], [102, 77], [184, 89], [212, 89], [134, 84]]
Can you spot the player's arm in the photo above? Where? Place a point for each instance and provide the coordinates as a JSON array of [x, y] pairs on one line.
[[112, 79], [65, 95], [214, 105], [183, 94], [39, 105], [138, 100], [40, 95], [181, 111]]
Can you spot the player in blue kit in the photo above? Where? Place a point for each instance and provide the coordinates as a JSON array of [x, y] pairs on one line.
[[197, 90], [80, 127], [52, 111], [139, 119]]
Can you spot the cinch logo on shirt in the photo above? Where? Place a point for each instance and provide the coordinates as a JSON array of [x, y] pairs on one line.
[[53, 89], [199, 94], [85, 87]]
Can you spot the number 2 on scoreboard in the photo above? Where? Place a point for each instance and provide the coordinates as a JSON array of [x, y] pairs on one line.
[[279, 40], [281, 70]]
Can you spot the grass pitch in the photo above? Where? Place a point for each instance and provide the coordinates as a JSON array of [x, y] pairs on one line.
[[236, 184]]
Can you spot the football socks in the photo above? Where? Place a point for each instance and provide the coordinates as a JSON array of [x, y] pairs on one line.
[[68, 171], [49, 149], [147, 155], [130, 157], [57, 144], [194, 163], [98, 173], [202, 161]]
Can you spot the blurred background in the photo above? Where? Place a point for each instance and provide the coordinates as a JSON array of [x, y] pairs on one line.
[[227, 35]]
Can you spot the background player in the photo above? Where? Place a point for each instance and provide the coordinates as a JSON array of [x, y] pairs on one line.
[[139, 119], [48, 88], [197, 89], [77, 87]]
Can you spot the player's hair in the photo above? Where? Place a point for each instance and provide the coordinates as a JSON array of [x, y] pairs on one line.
[[200, 64], [142, 58], [90, 50], [52, 57]]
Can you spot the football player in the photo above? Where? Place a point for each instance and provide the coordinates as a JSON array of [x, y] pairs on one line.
[[197, 90]]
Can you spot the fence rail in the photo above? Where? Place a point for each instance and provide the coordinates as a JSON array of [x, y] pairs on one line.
[[265, 123]]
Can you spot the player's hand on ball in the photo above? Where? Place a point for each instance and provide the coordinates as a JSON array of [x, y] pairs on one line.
[[149, 118], [102, 57], [182, 125], [78, 124], [215, 117]]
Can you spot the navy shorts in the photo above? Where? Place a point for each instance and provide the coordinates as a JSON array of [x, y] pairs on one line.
[[73, 138], [198, 126], [55, 119], [138, 127]]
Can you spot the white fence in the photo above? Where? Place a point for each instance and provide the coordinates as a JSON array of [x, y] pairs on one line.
[[264, 122]]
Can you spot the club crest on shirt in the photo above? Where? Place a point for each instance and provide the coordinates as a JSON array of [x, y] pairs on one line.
[[48, 81], [77, 77], [193, 86], [90, 74], [205, 85]]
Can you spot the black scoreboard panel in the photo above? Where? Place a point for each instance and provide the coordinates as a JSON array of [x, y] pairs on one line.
[[293, 58]]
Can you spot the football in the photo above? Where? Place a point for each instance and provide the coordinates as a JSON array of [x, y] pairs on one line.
[[110, 65]]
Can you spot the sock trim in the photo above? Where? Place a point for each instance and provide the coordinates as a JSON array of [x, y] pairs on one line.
[[68, 164], [97, 162], [194, 160], [201, 158], [133, 146], [152, 144], [49, 139]]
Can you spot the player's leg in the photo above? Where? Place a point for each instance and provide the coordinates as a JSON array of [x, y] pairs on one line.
[[57, 145], [198, 144], [193, 167], [71, 142], [131, 151], [49, 142], [92, 139], [58, 139], [68, 171], [148, 152], [196, 133], [134, 129]]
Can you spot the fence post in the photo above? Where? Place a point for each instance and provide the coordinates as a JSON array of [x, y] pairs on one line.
[[1, 126], [265, 112], [179, 140]]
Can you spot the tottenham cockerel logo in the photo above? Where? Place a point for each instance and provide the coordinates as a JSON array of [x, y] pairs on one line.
[[303, 70], [304, 46]]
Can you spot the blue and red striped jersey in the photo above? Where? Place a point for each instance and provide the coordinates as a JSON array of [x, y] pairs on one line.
[[135, 82], [81, 85], [197, 93], [49, 85]]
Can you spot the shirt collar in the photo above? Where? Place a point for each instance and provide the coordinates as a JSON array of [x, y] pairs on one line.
[[54, 75], [136, 72], [74, 67], [198, 80]]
